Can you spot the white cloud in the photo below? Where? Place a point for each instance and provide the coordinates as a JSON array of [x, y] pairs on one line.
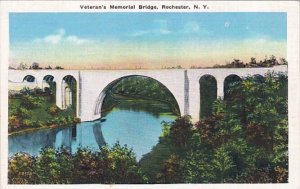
[[164, 31], [76, 40], [161, 29], [227, 24], [191, 27], [140, 33], [60, 36]]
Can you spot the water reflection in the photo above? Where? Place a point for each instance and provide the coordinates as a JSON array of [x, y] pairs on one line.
[[98, 134], [138, 129], [61, 137], [155, 109]]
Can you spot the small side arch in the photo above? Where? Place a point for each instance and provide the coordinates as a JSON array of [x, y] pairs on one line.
[[259, 78], [69, 90], [208, 94], [48, 78], [229, 81], [29, 78]]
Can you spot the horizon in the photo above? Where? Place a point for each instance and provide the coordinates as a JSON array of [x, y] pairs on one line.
[[144, 40]]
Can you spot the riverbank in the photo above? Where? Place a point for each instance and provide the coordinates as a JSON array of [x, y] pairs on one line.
[[31, 130], [30, 113], [115, 99]]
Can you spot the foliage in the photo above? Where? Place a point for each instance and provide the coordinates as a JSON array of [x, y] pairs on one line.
[[13, 122], [181, 131], [53, 167], [244, 140], [20, 169], [33, 108], [108, 165], [165, 129], [35, 66], [30, 102], [142, 88], [267, 62], [208, 94], [58, 67], [53, 110], [171, 172]]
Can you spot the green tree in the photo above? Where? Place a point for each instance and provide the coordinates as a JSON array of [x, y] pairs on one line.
[[181, 131], [54, 166], [171, 172], [21, 169]]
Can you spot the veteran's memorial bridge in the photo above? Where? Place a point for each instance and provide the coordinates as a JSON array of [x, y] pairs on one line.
[[91, 85]]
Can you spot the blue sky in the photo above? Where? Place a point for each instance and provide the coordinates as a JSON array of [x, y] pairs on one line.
[[149, 40]]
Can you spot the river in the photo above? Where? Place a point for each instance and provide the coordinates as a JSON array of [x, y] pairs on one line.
[[134, 123]]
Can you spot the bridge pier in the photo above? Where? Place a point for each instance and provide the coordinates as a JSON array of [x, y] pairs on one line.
[[194, 99], [220, 87], [59, 94]]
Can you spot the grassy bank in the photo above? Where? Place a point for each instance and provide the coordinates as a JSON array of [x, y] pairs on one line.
[[32, 111]]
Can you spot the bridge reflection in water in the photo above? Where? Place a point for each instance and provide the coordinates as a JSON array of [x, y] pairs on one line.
[[69, 138]]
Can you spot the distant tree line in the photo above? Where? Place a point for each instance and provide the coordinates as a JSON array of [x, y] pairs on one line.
[[34, 66], [236, 63], [267, 62]]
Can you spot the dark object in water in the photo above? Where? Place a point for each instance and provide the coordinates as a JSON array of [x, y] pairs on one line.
[[102, 120]]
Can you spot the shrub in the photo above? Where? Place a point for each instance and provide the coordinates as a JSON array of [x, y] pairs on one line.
[[13, 122], [30, 102], [26, 91], [181, 131], [171, 172], [77, 120], [53, 110], [54, 167], [20, 169], [27, 123], [23, 113], [37, 91]]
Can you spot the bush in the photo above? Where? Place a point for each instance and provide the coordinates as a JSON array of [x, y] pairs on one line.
[[53, 110], [181, 131], [23, 113], [76, 120], [26, 91], [171, 172], [54, 167], [13, 122], [30, 102], [27, 123], [20, 169], [37, 91]]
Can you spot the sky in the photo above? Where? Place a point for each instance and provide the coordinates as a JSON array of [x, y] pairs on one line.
[[144, 40]]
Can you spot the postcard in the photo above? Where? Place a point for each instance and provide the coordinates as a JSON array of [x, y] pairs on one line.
[[167, 94]]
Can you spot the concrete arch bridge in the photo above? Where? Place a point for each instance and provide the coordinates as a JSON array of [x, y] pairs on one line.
[[91, 85]]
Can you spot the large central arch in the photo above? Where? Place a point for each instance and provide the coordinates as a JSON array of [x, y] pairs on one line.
[[102, 95]]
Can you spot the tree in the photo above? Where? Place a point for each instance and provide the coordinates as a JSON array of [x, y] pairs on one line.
[[283, 61], [171, 172], [58, 67], [35, 66], [54, 166], [181, 131], [22, 66], [21, 169], [253, 62], [48, 67], [261, 104]]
